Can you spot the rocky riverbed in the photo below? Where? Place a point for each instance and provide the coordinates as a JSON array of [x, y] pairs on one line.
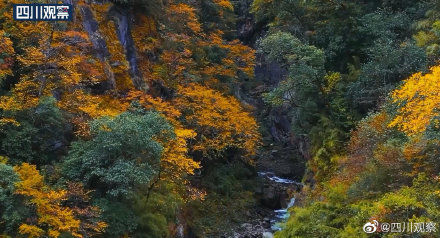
[[276, 196]]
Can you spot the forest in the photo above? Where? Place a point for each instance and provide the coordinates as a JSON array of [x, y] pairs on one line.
[[221, 118]]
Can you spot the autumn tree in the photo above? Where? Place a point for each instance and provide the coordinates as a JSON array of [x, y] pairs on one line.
[[220, 121], [51, 218], [8, 55], [79, 200], [418, 102]]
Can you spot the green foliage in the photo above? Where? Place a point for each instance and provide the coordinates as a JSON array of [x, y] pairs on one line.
[[390, 58], [326, 139], [12, 212], [39, 135], [428, 30], [119, 216], [154, 213], [318, 107], [302, 88], [123, 154], [317, 220], [229, 180], [231, 189]]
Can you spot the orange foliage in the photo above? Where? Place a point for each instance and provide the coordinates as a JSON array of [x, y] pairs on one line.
[[51, 215], [175, 161], [239, 57], [175, 67], [7, 55], [184, 18], [146, 40], [25, 94], [79, 201], [220, 121], [364, 141], [418, 100], [118, 62], [85, 106]]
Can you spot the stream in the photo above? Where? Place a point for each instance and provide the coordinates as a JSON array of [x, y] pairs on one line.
[[280, 215]]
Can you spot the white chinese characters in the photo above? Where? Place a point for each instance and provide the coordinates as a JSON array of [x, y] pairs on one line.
[[42, 12], [49, 12], [62, 12], [24, 12], [400, 227]]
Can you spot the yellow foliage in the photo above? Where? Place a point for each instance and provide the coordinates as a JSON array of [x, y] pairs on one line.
[[175, 161], [167, 109], [418, 100], [4, 121], [174, 67], [30, 231], [331, 79], [7, 55], [119, 64], [224, 4], [79, 102], [146, 40], [51, 214], [186, 16], [239, 58], [33, 55], [25, 95], [3, 159], [220, 121], [85, 106]]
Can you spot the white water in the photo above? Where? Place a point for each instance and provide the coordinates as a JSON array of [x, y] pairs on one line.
[[276, 179], [281, 215]]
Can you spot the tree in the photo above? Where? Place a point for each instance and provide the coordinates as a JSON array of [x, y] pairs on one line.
[[175, 161], [305, 66], [220, 122], [122, 155], [391, 57], [418, 101], [51, 218], [37, 135], [11, 208], [8, 55]]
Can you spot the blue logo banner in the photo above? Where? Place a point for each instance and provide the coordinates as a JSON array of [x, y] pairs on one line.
[[43, 12]]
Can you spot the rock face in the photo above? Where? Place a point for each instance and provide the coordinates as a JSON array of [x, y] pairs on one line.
[[253, 229], [276, 192], [274, 195], [99, 44], [285, 162], [91, 26], [123, 18]]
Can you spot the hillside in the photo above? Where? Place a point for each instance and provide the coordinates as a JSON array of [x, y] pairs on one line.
[[218, 118]]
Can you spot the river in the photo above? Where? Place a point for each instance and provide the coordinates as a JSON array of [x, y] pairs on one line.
[[280, 215]]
